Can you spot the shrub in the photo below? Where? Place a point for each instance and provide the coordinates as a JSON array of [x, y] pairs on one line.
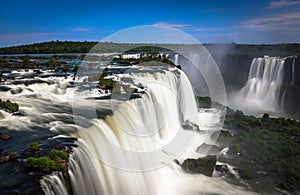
[[42, 163], [58, 155], [13, 107], [13, 155], [34, 146]]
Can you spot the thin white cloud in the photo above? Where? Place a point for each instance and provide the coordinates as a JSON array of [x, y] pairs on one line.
[[171, 25], [282, 3], [46, 33], [212, 29], [284, 21], [82, 29]]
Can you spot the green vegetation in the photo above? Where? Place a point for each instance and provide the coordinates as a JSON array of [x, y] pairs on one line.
[[85, 47], [34, 146], [263, 144], [50, 47], [204, 165], [106, 83], [266, 144], [13, 155], [54, 162], [79, 47], [42, 164], [58, 155], [8, 105], [57, 62]]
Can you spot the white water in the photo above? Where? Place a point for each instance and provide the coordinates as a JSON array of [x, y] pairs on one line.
[[48, 183], [176, 59], [261, 93], [293, 71], [131, 152], [144, 126]]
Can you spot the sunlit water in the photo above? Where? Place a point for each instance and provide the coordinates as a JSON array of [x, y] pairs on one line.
[[128, 152]]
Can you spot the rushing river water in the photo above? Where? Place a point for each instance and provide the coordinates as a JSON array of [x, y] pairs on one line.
[[124, 145]]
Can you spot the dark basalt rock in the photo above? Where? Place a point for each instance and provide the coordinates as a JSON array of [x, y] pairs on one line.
[[134, 96], [5, 136], [222, 169], [203, 166], [18, 114], [16, 90]]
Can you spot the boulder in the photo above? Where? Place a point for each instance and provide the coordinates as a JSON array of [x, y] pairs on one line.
[[203, 166], [4, 159], [16, 90], [13, 156], [222, 169], [5, 136]]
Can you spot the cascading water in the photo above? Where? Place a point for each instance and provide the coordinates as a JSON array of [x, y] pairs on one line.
[[262, 92], [129, 153], [176, 59], [142, 125], [293, 71]]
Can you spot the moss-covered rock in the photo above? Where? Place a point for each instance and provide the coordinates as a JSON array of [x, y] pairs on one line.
[[33, 147], [9, 106], [43, 164], [13, 156], [203, 166]]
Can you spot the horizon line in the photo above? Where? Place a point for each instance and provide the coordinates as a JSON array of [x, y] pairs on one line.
[[141, 43]]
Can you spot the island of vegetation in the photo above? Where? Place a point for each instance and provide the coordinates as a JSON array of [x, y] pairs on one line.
[[9, 106]]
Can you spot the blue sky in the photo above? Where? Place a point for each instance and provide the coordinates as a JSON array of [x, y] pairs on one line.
[[209, 21]]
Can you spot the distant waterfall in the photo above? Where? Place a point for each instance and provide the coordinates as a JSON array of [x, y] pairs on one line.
[[293, 71], [263, 88], [176, 59]]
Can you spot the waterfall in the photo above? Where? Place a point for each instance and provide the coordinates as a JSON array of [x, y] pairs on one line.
[[176, 59], [131, 152], [263, 89], [53, 184], [293, 71], [135, 137]]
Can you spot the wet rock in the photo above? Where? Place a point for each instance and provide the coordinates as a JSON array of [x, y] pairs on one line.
[[5, 136], [203, 166], [222, 169], [4, 159], [16, 90], [18, 114], [13, 156], [134, 96]]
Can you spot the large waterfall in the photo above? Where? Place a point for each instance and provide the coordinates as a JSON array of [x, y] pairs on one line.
[[262, 92], [131, 152]]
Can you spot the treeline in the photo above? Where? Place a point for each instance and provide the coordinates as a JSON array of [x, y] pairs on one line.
[[253, 50], [55, 47], [50, 47]]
